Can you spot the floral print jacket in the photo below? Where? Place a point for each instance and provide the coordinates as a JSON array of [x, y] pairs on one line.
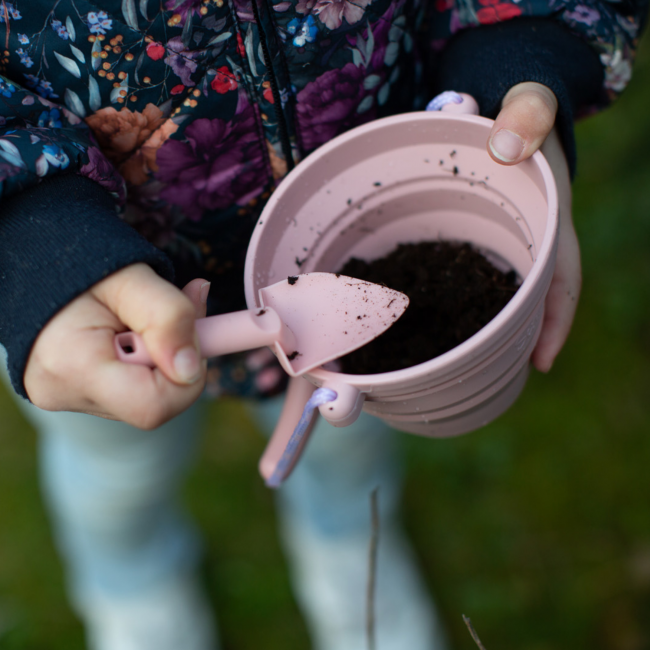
[[188, 112]]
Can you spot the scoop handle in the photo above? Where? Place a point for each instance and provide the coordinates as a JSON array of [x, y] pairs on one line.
[[223, 334]]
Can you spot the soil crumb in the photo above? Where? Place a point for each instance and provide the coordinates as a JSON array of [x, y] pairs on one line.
[[453, 290]]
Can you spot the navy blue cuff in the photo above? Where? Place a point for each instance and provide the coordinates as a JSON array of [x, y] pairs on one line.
[[58, 239], [487, 61]]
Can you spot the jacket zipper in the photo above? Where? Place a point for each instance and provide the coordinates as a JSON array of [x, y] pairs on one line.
[[283, 130]]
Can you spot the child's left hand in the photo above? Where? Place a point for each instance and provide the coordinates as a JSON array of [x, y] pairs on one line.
[[524, 125]]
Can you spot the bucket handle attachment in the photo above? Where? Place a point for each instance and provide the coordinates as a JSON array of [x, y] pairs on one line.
[[452, 102], [345, 409]]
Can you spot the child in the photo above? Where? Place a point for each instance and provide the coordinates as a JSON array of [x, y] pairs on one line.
[[182, 119]]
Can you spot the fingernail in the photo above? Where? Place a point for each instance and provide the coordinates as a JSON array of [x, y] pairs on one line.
[[203, 293], [506, 145], [187, 365]]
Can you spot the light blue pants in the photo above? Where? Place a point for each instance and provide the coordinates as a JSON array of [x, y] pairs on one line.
[[112, 493]]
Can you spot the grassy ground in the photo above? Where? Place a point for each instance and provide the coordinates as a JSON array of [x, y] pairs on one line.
[[537, 526]]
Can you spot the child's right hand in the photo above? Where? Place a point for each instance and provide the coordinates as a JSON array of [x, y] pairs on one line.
[[73, 367]]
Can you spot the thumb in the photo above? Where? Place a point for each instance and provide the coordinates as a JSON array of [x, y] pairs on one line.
[[526, 118], [161, 314], [197, 291]]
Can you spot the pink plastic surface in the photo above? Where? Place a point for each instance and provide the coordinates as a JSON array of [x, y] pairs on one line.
[[409, 178], [298, 392], [468, 106]]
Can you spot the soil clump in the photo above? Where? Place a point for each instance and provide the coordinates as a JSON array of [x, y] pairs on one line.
[[453, 290]]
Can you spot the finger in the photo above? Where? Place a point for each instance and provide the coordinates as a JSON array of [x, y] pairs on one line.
[[197, 291], [134, 394], [161, 314], [55, 361], [561, 306], [561, 300], [140, 396], [526, 118]]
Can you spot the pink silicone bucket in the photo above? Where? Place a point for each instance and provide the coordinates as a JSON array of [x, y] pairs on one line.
[[410, 178]]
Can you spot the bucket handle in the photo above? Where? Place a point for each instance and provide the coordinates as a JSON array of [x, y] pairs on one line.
[[339, 404]]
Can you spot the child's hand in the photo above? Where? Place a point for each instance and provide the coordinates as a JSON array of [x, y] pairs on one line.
[[73, 367], [524, 125]]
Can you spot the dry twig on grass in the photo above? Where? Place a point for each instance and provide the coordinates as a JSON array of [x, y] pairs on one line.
[[472, 631], [372, 569]]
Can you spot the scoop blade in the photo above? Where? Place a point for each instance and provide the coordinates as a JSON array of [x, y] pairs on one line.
[[330, 315]]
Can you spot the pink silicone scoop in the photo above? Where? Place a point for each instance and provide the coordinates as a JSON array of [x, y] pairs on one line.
[[307, 320]]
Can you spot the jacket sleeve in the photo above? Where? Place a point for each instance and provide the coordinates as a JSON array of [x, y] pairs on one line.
[[60, 232], [583, 51]]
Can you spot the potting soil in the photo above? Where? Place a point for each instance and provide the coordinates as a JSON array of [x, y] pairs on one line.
[[453, 290]]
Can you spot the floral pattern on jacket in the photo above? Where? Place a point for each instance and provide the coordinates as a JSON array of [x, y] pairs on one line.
[[200, 108], [196, 111], [191, 111]]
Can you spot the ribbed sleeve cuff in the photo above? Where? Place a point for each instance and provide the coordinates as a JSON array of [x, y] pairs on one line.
[[487, 61], [56, 241]]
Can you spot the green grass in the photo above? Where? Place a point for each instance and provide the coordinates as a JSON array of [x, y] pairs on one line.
[[537, 526]]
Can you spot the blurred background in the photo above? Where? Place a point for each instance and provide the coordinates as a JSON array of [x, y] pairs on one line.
[[537, 527]]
